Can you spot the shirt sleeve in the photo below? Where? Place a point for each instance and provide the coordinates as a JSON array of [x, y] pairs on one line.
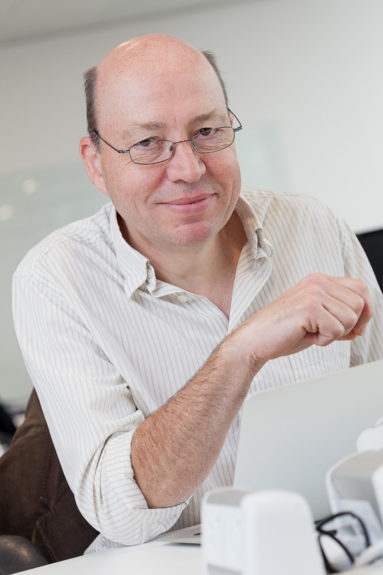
[[89, 409], [369, 347]]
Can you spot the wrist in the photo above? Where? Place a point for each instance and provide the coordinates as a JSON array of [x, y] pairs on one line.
[[240, 353]]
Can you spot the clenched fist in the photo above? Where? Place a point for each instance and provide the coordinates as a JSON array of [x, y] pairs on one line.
[[317, 311]]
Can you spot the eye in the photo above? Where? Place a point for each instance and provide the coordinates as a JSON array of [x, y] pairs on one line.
[[147, 143], [206, 132]]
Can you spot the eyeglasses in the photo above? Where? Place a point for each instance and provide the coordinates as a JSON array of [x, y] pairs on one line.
[[355, 529], [157, 150]]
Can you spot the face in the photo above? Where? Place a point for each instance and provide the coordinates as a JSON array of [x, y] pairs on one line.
[[187, 200]]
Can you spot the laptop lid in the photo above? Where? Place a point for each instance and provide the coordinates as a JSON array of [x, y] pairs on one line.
[[292, 435]]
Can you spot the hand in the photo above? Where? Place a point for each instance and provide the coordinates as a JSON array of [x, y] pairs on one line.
[[317, 311]]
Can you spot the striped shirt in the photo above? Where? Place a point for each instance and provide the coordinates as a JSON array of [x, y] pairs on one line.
[[106, 343]]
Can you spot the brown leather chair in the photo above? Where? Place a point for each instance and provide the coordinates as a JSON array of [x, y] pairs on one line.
[[18, 554], [35, 500]]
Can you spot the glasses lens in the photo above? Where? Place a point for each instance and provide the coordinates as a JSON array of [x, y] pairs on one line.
[[213, 139], [151, 151]]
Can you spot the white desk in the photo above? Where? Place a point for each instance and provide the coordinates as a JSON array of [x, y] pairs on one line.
[[149, 559], [154, 558]]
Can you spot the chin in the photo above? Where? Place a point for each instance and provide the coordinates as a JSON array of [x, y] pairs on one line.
[[193, 234]]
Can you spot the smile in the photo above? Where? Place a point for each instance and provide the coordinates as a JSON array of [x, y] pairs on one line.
[[189, 205]]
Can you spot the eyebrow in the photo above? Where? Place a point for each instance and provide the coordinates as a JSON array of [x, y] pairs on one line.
[[214, 114], [146, 125], [151, 125]]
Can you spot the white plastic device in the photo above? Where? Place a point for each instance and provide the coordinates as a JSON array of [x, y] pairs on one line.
[[356, 484], [257, 533]]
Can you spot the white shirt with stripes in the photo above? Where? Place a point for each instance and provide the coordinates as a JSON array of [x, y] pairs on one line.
[[106, 344]]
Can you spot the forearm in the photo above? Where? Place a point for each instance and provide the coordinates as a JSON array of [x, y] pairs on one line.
[[175, 448]]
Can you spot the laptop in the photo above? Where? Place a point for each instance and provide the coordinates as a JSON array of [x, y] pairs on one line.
[[292, 435]]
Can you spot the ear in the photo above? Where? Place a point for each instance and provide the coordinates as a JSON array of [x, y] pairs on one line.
[[92, 161]]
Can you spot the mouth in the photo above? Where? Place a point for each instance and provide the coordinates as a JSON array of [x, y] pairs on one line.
[[189, 205], [187, 200]]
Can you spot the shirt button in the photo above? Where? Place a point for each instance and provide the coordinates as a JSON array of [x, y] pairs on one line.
[[183, 298]]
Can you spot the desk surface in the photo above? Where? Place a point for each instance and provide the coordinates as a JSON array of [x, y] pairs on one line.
[[155, 557], [158, 558]]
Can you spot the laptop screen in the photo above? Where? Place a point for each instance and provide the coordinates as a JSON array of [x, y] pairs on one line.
[[291, 436]]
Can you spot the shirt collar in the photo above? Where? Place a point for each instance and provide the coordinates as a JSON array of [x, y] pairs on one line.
[[252, 221], [139, 273], [136, 268]]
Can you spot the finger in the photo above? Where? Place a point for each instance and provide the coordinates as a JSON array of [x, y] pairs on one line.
[[333, 308], [328, 332], [347, 315], [360, 288], [350, 291], [328, 326]]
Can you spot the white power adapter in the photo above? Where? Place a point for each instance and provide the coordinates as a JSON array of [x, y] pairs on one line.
[[258, 533]]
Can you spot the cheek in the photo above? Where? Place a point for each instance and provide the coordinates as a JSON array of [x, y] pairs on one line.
[[226, 171], [130, 185]]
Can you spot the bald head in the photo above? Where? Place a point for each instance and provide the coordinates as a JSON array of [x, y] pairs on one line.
[[159, 57], [140, 54]]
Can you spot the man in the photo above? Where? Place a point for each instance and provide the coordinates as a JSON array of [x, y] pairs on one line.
[[145, 326]]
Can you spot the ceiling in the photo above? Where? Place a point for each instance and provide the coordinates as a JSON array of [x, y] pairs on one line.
[[25, 20]]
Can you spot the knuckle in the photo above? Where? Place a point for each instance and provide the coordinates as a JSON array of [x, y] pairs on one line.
[[330, 336], [361, 288], [312, 280], [339, 331], [333, 332], [359, 304], [310, 292], [351, 321], [309, 305]]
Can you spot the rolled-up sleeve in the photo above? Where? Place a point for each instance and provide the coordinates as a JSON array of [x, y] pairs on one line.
[[90, 411]]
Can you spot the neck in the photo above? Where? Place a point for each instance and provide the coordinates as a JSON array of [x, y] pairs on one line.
[[207, 269]]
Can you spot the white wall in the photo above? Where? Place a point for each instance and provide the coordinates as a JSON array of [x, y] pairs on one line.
[[305, 77]]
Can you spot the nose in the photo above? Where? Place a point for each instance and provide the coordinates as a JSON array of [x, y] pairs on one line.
[[185, 164]]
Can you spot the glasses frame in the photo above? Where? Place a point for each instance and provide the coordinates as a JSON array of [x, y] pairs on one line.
[[333, 534], [174, 144]]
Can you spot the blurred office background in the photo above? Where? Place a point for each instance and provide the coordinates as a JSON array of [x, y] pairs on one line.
[[305, 77]]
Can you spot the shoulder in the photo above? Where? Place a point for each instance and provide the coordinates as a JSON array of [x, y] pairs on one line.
[[80, 237], [257, 197], [289, 209]]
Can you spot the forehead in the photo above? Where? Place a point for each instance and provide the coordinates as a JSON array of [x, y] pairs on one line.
[[161, 88]]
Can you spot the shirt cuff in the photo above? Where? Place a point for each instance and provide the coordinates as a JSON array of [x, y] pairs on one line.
[[119, 509]]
